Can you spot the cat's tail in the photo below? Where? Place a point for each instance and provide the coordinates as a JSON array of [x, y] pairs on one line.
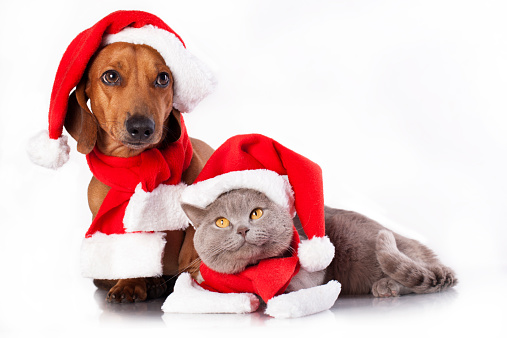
[[420, 277]]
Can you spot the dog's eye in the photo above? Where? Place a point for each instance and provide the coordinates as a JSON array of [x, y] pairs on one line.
[[111, 78], [163, 80]]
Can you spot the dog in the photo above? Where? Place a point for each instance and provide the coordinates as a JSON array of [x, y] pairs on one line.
[[130, 91]]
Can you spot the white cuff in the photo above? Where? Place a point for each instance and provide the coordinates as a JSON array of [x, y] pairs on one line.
[[122, 255], [188, 297], [304, 302], [158, 210]]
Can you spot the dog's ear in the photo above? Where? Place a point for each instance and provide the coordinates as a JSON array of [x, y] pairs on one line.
[[80, 122], [173, 127]]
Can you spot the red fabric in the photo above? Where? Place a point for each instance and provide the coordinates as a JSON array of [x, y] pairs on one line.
[[151, 168], [267, 279], [79, 52], [255, 151]]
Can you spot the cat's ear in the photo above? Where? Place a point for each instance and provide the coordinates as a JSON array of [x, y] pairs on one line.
[[195, 214]]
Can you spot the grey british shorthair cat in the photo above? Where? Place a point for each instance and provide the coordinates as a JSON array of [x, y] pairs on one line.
[[368, 257]]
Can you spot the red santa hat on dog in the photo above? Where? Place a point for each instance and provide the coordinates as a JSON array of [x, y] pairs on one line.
[[287, 178], [192, 80]]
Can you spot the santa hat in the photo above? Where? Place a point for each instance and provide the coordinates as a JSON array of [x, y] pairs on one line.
[[192, 80], [285, 177]]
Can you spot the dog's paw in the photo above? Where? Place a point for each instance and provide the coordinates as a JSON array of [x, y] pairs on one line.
[[137, 290], [128, 291]]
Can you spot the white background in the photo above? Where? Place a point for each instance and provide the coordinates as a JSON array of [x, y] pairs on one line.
[[402, 103]]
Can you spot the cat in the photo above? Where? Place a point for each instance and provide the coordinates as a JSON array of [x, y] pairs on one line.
[[243, 227], [240, 229]]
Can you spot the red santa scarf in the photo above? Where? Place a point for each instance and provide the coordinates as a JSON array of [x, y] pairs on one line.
[[269, 278], [151, 168]]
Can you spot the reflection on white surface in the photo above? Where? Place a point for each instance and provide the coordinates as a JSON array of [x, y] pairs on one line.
[[468, 308]]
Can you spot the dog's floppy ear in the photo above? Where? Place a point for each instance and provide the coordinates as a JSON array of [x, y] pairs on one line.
[[173, 127], [80, 122]]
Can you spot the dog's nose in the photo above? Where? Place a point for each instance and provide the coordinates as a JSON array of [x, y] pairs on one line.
[[140, 128]]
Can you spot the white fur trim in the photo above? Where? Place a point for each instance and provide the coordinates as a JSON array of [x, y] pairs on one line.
[[47, 152], [304, 302], [315, 254], [188, 297], [276, 187], [122, 256], [193, 81], [158, 210]]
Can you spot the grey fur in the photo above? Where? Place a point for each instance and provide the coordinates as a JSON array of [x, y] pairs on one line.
[[368, 257], [227, 250], [371, 259]]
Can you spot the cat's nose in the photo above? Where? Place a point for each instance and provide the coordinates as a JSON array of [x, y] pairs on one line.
[[242, 231]]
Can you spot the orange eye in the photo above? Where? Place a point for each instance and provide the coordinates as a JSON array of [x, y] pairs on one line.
[[222, 223], [256, 214]]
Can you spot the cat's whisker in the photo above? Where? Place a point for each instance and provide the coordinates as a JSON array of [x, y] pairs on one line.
[[190, 265], [229, 249], [299, 228]]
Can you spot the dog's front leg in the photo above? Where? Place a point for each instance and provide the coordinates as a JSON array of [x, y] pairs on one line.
[[188, 260], [137, 290], [132, 289]]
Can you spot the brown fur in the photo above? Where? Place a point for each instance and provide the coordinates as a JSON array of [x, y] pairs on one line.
[[139, 66]]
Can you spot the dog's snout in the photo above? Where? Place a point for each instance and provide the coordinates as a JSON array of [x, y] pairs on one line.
[[140, 128]]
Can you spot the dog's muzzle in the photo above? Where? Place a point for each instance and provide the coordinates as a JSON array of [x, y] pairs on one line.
[[140, 129]]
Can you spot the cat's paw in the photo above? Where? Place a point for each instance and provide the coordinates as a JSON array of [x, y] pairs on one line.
[[386, 287], [250, 303], [439, 278], [449, 279]]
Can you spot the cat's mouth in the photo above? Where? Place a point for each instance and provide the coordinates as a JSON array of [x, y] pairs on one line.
[[259, 250]]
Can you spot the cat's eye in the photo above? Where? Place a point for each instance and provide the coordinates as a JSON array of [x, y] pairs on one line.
[[222, 222], [257, 213]]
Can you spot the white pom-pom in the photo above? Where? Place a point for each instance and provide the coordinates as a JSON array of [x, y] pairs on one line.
[[315, 254], [47, 152]]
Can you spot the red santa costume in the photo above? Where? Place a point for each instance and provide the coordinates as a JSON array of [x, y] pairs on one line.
[[289, 180], [125, 241]]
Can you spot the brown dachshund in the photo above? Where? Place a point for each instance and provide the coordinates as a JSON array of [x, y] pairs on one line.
[[131, 115]]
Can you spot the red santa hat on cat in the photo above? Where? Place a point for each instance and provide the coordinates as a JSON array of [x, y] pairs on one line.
[[192, 80], [287, 178]]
